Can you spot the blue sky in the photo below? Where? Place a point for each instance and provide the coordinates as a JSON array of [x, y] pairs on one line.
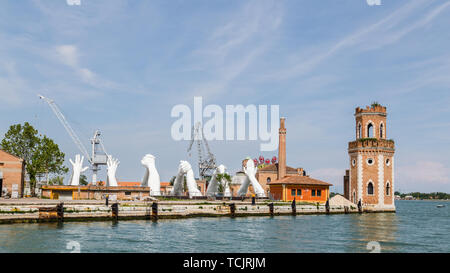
[[120, 66]]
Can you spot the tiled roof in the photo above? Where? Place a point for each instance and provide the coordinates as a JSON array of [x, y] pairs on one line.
[[274, 168], [299, 180], [129, 184]]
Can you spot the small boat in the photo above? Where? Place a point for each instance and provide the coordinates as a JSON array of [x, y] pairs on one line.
[[440, 206]]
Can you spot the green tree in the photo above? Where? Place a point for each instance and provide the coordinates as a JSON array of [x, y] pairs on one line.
[[48, 158], [57, 180], [223, 177], [83, 180], [40, 154]]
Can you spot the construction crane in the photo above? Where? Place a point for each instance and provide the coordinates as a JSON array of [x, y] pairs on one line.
[[206, 159], [98, 156]]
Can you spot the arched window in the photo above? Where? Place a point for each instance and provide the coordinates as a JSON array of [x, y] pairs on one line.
[[381, 130], [359, 130], [388, 189], [268, 179], [370, 188], [370, 130]]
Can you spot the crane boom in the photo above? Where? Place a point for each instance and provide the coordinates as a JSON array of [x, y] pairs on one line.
[[67, 126]]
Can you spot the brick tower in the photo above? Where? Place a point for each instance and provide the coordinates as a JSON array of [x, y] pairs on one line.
[[371, 174]]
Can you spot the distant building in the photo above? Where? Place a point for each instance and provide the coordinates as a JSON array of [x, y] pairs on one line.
[[370, 178], [286, 183], [12, 173]]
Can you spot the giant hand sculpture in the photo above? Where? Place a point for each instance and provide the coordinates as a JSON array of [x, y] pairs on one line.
[[213, 186], [185, 169], [77, 169], [112, 165], [151, 176], [250, 170]]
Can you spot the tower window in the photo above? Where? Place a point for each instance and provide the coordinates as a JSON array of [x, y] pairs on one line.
[[370, 130], [353, 162], [359, 130], [370, 161], [370, 188], [381, 130], [268, 179], [388, 189]]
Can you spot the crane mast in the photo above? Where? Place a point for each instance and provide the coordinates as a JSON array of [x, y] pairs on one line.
[[206, 162], [95, 159]]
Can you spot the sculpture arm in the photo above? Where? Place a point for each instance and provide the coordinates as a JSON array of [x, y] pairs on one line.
[[154, 182], [111, 171], [178, 184], [77, 169], [244, 187], [191, 184], [213, 186]]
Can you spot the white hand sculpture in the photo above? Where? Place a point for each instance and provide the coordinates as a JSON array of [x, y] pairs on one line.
[[250, 170], [77, 169], [185, 168], [151, 176], [213, 186], [112, 165]]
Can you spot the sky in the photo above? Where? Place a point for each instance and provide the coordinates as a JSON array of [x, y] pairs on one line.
[[121, 66]]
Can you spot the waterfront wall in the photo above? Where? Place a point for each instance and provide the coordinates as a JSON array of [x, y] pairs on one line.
[[97, 211]]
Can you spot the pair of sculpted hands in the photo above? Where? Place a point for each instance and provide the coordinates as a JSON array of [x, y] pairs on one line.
[[77, 167]]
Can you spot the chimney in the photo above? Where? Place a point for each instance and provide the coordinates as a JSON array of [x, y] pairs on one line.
[[282, 150]]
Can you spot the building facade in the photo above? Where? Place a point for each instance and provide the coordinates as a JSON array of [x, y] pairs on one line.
[[12, 173], [370, 178], [286, 183]]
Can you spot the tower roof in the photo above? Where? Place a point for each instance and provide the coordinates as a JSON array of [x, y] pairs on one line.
[[375, 108]]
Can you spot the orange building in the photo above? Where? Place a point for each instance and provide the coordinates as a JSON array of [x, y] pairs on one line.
[[286, 183], [302, 188]]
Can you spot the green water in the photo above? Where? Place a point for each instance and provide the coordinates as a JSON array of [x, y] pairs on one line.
[[418, 226]]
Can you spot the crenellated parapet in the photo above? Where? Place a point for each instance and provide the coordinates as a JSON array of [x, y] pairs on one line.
[[371, 143], [371, 110]]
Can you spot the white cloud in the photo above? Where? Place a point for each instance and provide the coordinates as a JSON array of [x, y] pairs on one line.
[[381, 33], [424, 172], [69, 55], [334, 176], [234, 46], [12, 85]]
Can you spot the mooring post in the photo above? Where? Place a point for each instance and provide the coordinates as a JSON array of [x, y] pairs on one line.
[[359, 206], [253, 200], [115, 211], [107, 199], [327, 206], [294, 207], [154, 211], [232, 209], [60, 211], [271, 209]]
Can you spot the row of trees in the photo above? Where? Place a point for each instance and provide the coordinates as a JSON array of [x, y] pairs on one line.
[[421, 195], [41, 154]]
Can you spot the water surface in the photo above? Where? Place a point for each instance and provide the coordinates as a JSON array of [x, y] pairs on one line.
[[418, 226]]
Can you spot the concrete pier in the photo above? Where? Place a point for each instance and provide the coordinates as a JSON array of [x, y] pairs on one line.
[[27, 210]]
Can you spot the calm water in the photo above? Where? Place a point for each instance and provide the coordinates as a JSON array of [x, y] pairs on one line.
[[418, 226]]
